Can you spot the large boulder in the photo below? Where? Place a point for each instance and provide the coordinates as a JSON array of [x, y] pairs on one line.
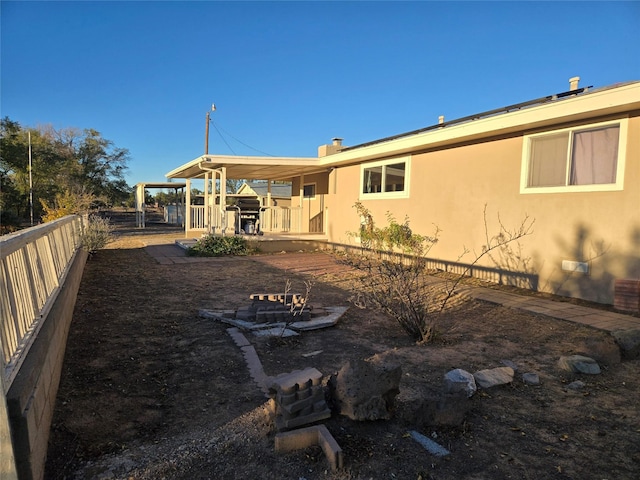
[[629, 342], [366, 390], [579, 364]]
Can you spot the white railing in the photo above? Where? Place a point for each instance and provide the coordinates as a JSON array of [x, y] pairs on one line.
[[272, 220], [197, 217], [34, 264], [281, 220]]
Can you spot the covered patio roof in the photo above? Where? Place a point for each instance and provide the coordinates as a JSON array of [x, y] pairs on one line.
[[161, 185], [239, 167]]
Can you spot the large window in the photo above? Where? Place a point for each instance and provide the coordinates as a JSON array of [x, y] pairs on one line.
[[385, 179], [587, 158]]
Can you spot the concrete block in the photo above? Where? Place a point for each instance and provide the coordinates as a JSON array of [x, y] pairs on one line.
[[298, 406], [289, 423], [291, 382], [309, 436]]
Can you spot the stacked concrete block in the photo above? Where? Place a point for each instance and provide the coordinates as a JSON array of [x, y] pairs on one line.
[[309, 436], [299, 398]]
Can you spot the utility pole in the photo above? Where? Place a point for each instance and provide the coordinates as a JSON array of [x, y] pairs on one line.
[[206, 129]]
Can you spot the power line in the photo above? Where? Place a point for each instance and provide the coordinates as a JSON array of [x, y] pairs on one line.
[[223, 139], [237, 140]]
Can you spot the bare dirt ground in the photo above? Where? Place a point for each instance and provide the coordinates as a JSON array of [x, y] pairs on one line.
[[150, 390]]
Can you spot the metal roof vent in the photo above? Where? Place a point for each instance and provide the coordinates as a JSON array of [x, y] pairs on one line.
[[573, 83]]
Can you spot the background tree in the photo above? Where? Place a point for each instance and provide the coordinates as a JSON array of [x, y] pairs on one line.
[[66, 163]]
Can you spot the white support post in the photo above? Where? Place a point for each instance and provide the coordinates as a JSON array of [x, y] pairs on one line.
[[187, 209], [140, 206], [207, 207], [223, 200], [301, 190]]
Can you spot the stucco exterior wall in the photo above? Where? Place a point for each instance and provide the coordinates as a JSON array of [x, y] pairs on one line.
[[450, 188], [313, 208]]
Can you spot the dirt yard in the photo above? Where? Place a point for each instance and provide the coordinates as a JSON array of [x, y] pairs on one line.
[[151, 391]]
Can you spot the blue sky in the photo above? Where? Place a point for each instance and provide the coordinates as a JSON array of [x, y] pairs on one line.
[[286, 77]]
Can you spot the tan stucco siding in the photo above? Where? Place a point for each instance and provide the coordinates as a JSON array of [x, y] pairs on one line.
[[313, 209], [450, 187]]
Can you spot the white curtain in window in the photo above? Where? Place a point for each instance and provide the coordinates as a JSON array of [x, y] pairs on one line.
[[595, 156], [548, 160]]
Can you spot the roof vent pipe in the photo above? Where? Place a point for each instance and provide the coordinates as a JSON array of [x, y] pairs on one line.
[[573, 83], [441, 119], [337, 142]]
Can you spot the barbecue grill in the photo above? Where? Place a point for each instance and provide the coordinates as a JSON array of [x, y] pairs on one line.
[[247, 215]]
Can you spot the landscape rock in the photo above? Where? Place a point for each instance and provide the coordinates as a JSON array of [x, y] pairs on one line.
[[509, 363], [603, 350], [579, 364], [531, 378], [460, 380], [577, 385], [431, 446], [629, 342], [366, 390], [493, 377]]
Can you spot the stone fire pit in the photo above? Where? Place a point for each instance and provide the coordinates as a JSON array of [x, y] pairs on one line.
[[273, 314]]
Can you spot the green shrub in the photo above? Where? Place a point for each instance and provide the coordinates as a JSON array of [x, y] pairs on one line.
[[217, 246]]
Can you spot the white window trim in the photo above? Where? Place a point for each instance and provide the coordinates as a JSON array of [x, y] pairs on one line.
[[601, 187], [384, 195], [315, 187]]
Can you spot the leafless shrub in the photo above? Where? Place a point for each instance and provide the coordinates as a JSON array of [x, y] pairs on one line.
[[397, 280]]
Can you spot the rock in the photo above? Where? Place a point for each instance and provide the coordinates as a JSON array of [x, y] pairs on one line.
[[460, 380], [629, 342], [579, 364], [509, 363], [577, 385], [602, 350], [431, 446], [494, 376], [531, 378], [366, 390]]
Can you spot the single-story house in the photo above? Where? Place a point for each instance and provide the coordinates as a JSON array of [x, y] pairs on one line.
[[570, 162]]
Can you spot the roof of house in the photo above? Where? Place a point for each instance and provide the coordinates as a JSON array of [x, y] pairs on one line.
[[545, 112]]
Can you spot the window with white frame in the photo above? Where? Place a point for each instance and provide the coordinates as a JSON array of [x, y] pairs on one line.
[[309, 190], [389, 178], [586, 158]]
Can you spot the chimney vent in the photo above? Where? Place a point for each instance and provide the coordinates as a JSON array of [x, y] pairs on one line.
[[335, 147], [441, 119], [573, 83]]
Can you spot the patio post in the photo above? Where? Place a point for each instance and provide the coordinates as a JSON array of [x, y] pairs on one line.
[[187, 209], [223, 200]]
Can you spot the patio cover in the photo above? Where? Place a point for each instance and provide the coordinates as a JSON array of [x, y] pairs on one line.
[[259, 168], [139, 196]]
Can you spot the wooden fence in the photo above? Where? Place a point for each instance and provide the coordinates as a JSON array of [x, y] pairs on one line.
[[34, 265]]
